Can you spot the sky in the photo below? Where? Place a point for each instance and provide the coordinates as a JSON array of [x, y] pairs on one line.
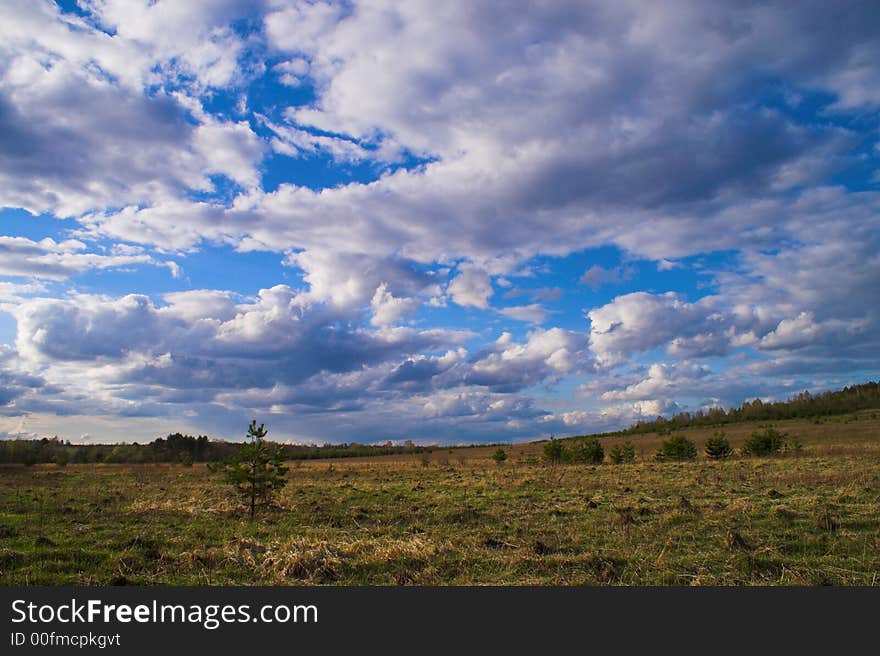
[[451, 222]]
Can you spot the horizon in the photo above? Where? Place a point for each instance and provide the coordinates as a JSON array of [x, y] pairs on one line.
[[425, 443], [360, 222]]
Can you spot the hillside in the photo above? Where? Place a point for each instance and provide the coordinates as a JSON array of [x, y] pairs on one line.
[[865, 396]]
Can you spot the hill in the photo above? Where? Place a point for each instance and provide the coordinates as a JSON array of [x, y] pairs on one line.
[[802, 406]]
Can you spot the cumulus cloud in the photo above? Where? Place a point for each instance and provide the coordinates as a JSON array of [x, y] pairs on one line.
[[388, 309], [472, 287], [278, 353], [661, 382], [15, 381], [14, 292], [349, 279], [562, 174], [83, 126], [640, 321], [545, 356], [533, 313], [231, 149], [612, 416], [488, 143], [204, 338], [296, 142], [53, 260], [292, 71]]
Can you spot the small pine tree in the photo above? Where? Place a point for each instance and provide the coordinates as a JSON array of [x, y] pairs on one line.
[[764, 442], [256, 471], [622, 453], [554, 451], [718, 447], [677, 447], [588, 451], [499, 456]]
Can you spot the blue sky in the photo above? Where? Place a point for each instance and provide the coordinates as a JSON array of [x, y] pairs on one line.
[[444, 222]]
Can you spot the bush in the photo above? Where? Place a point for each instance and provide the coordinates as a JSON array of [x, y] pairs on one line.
[[499, 456], [764, 442], [718, 447], [622, 453], [587, 451], [677, 447], [554, 451]]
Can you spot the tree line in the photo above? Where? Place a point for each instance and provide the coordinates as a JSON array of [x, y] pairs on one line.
[[801, 406], [178, 448]]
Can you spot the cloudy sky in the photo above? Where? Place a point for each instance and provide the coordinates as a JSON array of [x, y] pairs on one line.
[[440, 221]]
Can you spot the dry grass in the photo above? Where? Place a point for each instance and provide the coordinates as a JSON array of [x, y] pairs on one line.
[[806, 519]]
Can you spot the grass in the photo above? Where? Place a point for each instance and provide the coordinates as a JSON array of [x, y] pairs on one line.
[[458, 518]]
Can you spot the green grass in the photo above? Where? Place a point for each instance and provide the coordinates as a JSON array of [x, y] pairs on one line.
[[806, 519]]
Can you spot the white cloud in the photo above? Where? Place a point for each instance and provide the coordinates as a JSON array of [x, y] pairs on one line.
[[611, 417], [388, 309], [472, 287], [179, 38], [51, 260], [12, 292], [296, 142], [349, 279], [663, 381], [292, 71], [532, 313], [639, 321], [204, 338], [97, 118], [302, 26], [546, 355], [231, 149]]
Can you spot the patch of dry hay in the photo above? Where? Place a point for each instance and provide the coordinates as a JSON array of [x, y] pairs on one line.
[[321, 561]]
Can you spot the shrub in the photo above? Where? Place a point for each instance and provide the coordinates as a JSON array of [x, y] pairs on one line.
[[622, 453], [764, 442], [587, 451], [677, 447], [499, 456], [554, 451], [718, 447]]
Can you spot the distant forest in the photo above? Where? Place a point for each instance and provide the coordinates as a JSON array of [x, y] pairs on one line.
[[186, 449], [802, 406], [176, 448]]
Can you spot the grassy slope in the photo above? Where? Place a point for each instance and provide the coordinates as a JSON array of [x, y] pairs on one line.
[[459, 519]]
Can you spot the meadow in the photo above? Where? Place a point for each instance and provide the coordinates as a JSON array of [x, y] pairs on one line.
[[455, 517]]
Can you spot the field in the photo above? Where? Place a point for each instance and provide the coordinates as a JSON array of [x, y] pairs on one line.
[[455, 517]]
